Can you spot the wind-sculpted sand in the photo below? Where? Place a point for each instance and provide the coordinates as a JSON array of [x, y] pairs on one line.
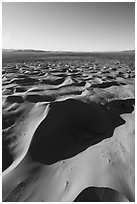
[[68, 130]]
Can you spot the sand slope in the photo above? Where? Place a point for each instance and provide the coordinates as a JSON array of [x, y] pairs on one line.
[[68, 126]]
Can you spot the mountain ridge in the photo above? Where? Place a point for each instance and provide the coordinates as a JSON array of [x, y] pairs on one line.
[[4, 51]]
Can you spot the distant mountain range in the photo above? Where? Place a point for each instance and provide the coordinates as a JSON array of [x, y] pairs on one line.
[[31, 51], [129, 51], [17, 51]]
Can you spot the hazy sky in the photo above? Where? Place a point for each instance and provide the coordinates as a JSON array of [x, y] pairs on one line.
[[74, 26]]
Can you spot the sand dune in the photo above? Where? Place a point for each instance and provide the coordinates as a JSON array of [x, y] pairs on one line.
[[68, 130], [77, 126]]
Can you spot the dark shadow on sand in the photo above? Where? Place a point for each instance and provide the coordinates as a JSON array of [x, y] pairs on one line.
[[35, 98], [99, 194], [25, 81], [121, 106], [7, 158], [107, 84], [15, 99], [53, 82], [72, 126], [8, 120]]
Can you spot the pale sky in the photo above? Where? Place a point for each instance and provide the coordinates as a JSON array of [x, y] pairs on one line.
[[68, 26]]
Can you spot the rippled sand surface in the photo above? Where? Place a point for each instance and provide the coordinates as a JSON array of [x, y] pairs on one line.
[[68, 128]]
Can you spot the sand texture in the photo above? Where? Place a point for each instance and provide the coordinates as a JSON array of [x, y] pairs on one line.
[[68, 128]]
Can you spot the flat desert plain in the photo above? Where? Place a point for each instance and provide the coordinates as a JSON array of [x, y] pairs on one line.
[[68, 127]]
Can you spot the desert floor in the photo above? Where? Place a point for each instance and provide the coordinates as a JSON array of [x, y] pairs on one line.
[[68, 128]]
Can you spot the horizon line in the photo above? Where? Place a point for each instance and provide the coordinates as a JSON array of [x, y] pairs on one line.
[[42, 50]]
